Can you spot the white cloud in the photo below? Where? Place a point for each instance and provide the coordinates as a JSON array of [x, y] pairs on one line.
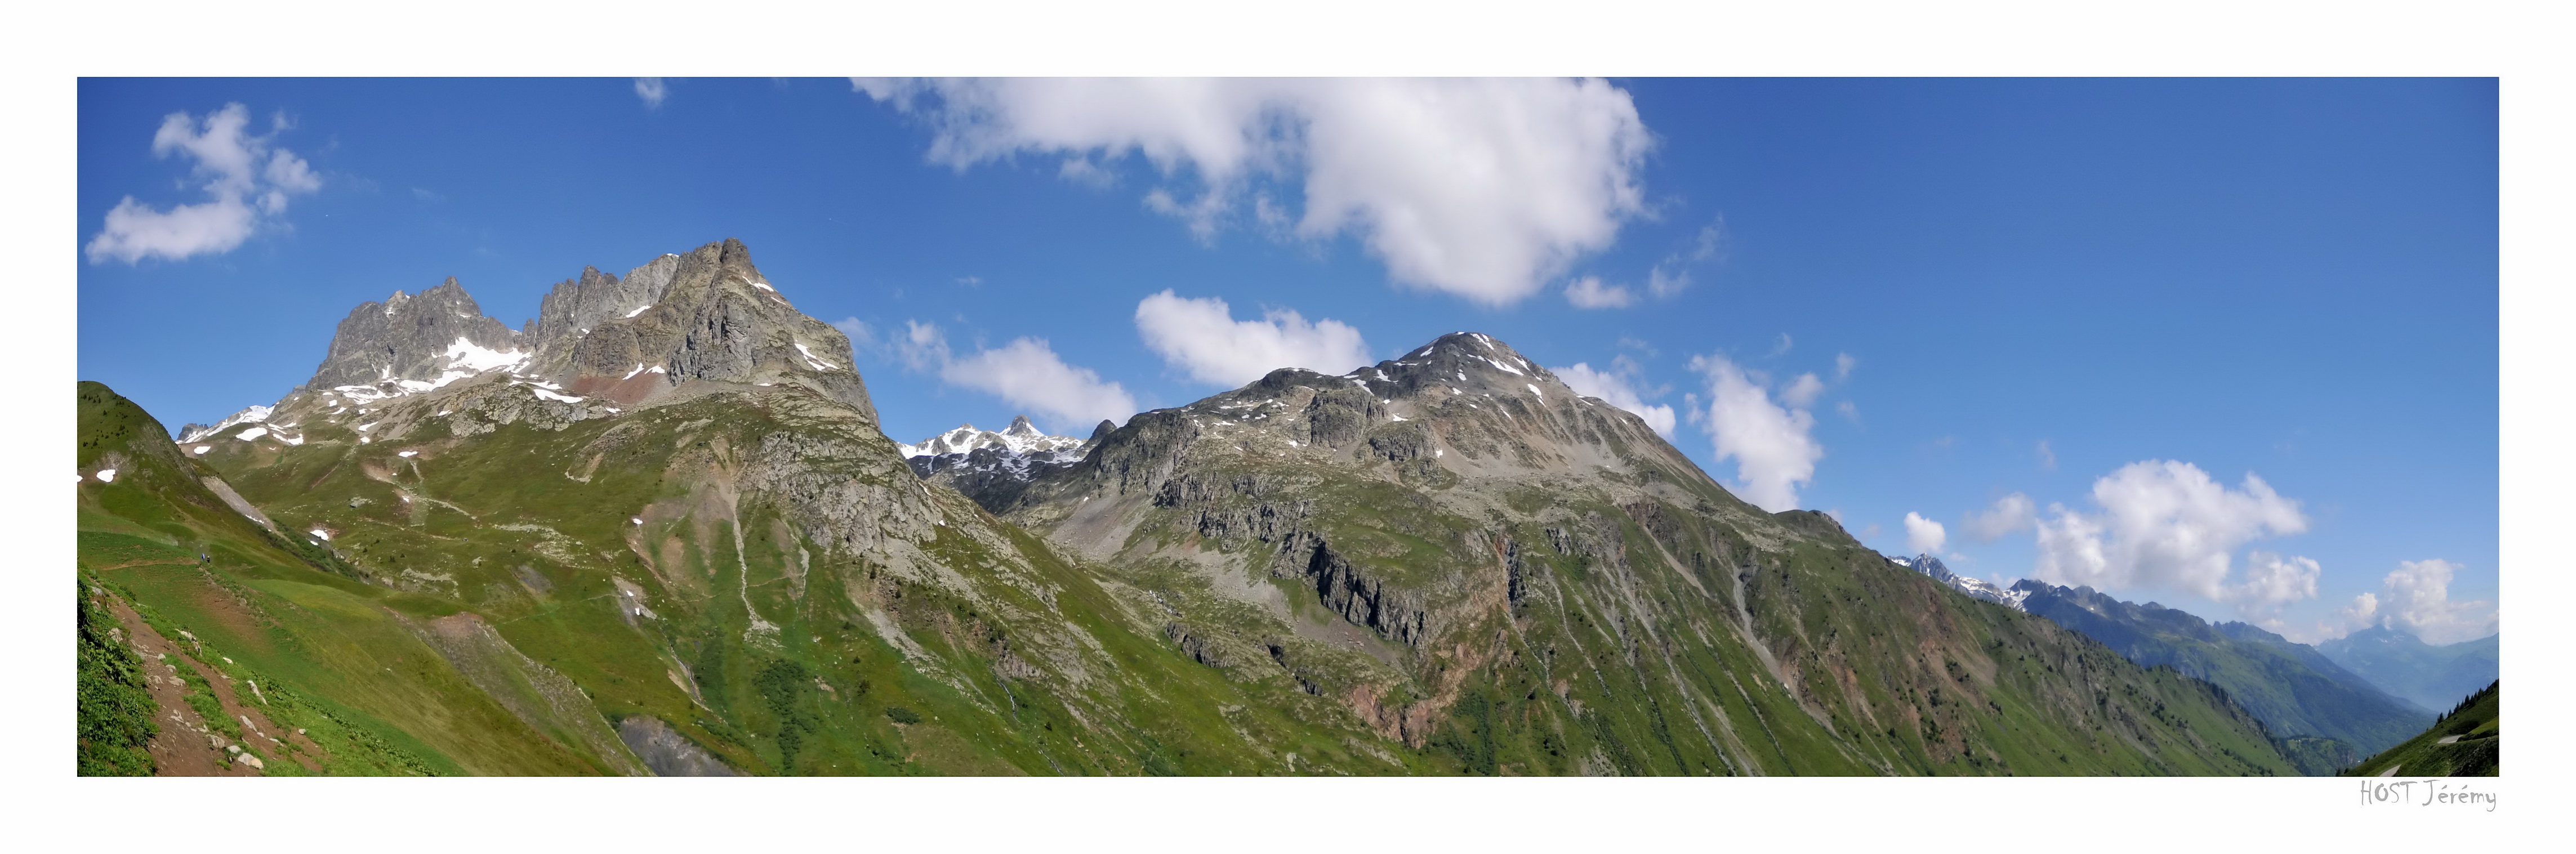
[[2272, 581], [246, 181], [2011, 513], [1618, 387], [1589, 292], [923, 347], [1481, 188], [1803, 391], [2047, 457], [1924, 536], [1782, 348], [1202, 338], [1849, 410], [1843, 365], [2418, 601], [2166, 524], [652, 90], [1772, 448], [1026, 373]]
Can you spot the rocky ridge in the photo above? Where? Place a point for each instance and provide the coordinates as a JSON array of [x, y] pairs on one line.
[[601, 345], [1976, 588], [1495, 541]]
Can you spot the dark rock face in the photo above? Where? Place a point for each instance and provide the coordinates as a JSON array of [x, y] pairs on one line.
[[407, 337], [1355, 595]]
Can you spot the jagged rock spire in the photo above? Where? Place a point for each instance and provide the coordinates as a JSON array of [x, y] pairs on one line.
[[408, 337]]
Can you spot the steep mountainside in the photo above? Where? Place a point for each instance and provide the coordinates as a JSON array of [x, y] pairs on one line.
[[2433, 677], [687, 547], [2296, 691], [1535, 582], [660, 531], [2466, 742]]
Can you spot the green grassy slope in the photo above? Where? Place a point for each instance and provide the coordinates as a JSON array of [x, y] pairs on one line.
[[2464, 743], [1573, 627], [759, 570], [657, 562], [116, 710]]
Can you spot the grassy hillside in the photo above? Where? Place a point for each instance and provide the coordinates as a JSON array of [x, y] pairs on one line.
[[2464, 743], [277, 615], [1532, 614], [684, 567], [116, 709], [749, 581]]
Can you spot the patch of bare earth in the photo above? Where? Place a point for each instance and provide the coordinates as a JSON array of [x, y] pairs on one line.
[[187, 746]]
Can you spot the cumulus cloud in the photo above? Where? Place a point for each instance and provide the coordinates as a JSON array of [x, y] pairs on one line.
[[2167, 524], [2418, 601], [2009, 514], [2272, 581], [1772, 447], [247, 182], [1589, 292], [652, 90], [1843, 364], [1621, 386], [1202, 338], [1924, 536], [1482, 188], [1026, 373]]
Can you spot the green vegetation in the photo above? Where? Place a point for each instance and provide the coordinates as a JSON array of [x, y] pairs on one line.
[[116, 709], [2465, 742], [759, 571]]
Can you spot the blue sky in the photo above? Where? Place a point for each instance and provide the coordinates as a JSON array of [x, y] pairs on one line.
[[2292, 279]]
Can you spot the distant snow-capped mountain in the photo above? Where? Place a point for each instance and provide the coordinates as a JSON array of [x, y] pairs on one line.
[[1021, 438], [1976, 588], [983, 464]]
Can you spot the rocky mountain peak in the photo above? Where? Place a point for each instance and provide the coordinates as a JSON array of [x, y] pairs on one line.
[[1021, 427], [407, 337], [713, 318]]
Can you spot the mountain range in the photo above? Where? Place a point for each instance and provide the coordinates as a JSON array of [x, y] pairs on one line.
[[658, 530], [2295, 690], [2431, 677]]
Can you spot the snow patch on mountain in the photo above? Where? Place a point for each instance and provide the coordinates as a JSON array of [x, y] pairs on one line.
[[253, 415], [1975, 588], [1021, 438]]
